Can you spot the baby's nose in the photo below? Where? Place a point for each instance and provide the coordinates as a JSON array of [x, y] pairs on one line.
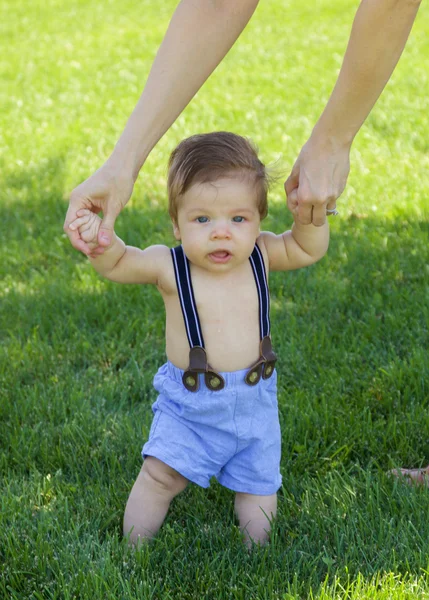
[[221, 230]]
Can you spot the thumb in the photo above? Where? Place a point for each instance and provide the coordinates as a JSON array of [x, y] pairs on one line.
[[292, 181], [292, 200], [105, 232]]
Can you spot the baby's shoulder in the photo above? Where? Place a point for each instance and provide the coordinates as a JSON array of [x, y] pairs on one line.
[[261, 243], [166, 279]]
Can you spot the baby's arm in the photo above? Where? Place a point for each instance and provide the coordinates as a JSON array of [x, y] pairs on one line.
[[299, 247], [121, 263]]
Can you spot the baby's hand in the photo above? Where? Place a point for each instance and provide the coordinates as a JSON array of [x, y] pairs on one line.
[[88, 224]]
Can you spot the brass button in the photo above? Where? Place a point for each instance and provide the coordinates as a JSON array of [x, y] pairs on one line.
[[268, 371], [253, 376], [190, 381], [215, 382]]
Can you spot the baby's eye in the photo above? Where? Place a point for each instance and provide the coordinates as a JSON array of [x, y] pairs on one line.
[[238, 219], [202, 219]]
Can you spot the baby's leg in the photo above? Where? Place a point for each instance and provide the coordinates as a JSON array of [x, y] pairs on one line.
[[147, 506], [254, 516]]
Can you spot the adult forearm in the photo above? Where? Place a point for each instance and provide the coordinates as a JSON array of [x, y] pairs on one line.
[[379, 33], [198, 37]]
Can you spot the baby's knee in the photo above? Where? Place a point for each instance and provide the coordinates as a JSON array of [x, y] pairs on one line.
[[162, 478]]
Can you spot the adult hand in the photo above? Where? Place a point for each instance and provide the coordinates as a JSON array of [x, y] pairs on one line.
[[107, 191], [317, 179]]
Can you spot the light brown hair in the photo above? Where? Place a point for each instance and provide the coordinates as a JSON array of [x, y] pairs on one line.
[[208, 157]]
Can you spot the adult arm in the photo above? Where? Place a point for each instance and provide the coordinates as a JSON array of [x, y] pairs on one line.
[[199, 35], [379, 34]]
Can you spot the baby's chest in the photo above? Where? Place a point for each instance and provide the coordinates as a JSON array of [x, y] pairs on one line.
[[229, 309]]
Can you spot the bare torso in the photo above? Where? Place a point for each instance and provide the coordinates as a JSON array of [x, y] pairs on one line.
[[229, 314]]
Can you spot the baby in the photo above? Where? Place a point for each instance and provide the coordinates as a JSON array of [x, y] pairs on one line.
[[216, 413]]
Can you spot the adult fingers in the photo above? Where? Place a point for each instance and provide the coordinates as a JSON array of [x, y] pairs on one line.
[[319, 215], [105, 232], [291, 195], [321, 205], [291, 182], [74, 235], [304, 211], [77, 242], [292, 201]]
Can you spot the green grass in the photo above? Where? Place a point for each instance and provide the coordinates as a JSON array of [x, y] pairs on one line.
[[78, 354]]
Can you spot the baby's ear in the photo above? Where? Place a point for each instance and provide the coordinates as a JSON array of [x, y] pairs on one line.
[[176, 231]]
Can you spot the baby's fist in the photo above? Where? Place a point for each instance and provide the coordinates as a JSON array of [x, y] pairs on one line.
[[88, 224]]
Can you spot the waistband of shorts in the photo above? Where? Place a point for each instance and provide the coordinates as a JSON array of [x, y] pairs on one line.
[[230, 377]]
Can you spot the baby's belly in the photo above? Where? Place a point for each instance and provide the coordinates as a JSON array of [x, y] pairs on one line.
[[226, 351]]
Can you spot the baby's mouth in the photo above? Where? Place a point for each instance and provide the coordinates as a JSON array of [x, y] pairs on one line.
[[220, 256], [220, 253]]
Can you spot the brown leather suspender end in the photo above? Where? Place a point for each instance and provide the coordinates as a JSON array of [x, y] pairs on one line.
[[264, 366], [198, 364]]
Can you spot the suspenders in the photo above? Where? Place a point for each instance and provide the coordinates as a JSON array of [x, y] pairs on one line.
[[263, 367]]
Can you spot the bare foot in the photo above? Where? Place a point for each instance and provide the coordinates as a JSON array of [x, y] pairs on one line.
[[413, 476]]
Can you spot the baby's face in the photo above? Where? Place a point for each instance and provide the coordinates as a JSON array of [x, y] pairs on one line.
[[218, 223]]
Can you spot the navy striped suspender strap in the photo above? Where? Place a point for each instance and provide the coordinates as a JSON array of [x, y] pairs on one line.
[[258, 267], [186, 296]]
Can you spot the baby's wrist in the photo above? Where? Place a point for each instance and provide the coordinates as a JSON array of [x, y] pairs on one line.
[[114, 241]]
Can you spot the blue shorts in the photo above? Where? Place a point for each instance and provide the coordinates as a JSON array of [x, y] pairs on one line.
[[232, 434]]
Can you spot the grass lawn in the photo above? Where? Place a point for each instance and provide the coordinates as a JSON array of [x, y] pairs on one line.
[[78, 354]]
